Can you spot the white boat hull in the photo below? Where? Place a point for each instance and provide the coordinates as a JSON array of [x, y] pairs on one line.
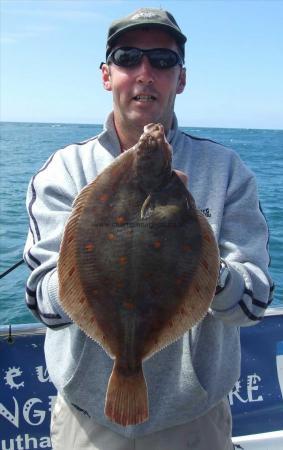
[[263, 441]]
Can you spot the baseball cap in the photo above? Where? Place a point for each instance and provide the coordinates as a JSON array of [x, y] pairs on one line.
[[146, 17]]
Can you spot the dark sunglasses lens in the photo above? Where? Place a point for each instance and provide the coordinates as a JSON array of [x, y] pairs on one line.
[[163, 59], [126, 57], [160, 58]]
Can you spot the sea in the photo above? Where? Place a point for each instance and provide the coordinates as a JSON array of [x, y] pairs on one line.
[[26, 146]]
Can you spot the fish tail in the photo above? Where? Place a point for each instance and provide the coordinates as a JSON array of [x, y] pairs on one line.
[[126, 398]]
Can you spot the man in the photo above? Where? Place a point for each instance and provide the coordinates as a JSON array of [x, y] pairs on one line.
[[188, 382]]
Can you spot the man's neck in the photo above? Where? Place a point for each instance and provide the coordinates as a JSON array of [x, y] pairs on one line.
[[129, 137]]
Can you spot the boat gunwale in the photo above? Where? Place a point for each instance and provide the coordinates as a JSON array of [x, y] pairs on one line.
[[37, 328]]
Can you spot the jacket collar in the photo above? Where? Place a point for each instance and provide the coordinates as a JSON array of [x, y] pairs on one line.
[[110, 140]]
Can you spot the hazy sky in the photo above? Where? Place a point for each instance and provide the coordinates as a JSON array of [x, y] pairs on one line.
[[51, 51]]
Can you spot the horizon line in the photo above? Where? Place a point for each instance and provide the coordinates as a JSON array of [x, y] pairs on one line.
[[101, 125]]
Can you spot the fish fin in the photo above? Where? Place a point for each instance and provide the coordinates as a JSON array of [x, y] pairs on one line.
[[201, 293], [147, 207], [172, 210], [71, 291], [126, 398]]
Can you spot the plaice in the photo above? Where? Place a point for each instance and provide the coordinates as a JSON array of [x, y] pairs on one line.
[[138, 266]]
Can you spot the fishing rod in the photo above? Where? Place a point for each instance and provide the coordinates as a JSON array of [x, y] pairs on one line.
[[3, 274]]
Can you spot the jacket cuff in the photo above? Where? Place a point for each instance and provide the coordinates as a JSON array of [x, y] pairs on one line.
[[53, 294], [229, 296]]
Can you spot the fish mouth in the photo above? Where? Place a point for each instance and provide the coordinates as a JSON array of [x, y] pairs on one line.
[[144, 98]]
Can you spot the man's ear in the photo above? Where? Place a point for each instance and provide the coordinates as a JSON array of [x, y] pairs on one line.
[[182, 81], [106, 77]]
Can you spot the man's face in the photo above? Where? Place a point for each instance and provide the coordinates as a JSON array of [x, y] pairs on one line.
[[143, 94]]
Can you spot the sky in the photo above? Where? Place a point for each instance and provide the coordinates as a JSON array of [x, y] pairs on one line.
[[51, 51]]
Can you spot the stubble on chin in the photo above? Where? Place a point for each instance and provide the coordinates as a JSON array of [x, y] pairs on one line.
[[130, 123]]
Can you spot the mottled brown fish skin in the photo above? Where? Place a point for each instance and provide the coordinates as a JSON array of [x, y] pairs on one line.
[[141, 255]]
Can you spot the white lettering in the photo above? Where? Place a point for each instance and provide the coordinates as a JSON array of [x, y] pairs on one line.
[[31, 415], [42, 375], [236, 393], [26, 442], [252, 386], [19, 440], [40, 414], [4, 445], [10, 375], [249, 392], [45, 442], [14, 419], [52, 401]]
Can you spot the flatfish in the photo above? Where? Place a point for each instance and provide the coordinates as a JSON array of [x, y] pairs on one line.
[[138, 266]]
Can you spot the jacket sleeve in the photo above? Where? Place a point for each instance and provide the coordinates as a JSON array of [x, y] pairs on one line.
[[50, 195], [243, 244]]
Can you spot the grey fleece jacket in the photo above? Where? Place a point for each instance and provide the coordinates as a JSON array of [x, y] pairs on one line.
[[190, 376]]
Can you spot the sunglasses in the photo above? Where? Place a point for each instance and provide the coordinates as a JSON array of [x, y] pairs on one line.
[[159, 58]]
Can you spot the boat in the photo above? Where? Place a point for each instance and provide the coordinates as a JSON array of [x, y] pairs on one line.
[[27, 394]]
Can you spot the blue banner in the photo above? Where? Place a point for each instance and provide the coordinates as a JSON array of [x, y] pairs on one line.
[[27, 394], [257, 397]]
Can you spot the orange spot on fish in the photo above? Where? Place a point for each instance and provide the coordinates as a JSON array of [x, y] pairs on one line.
[[95, 292], [93, 320], [82, 300], [182, 311], [181, 279], [129, 305], [155, 290], [120, 284], [207, 238], [187, 248], [147, 275], [71, 271], [123, 260], [204, 263], [104, 197], [70, 239], [89, 247], [157, 244], [171, 324], [120, 220], [111, 237]]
